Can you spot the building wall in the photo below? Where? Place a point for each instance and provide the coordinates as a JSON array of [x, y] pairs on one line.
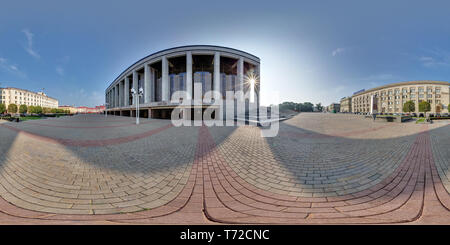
[[24, 97], [72, 109], [334, 107], [390, 98], [346, 104]]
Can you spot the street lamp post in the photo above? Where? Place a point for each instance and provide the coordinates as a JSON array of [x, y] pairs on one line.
[[137, 95]]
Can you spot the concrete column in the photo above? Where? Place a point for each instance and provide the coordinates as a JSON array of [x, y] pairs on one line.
[[126, 94], [189, 74], [120, 94], [112, 98], [135, 84], [216, 81], [152, 85], [117, 95], [258, 81], [147, 90], [240, 75], [165, 79]]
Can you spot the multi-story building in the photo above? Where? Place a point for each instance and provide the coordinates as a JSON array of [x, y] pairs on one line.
[[334, 107], [72, 109], [89, 110], [25, 97], [346, 104], [390, 98]]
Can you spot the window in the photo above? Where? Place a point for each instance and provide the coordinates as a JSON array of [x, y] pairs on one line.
[[429, 96], [413, 90], [437, 90], [420, 95], [420, 90]]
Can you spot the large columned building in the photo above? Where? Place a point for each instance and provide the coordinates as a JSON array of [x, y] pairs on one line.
[[163, 73]]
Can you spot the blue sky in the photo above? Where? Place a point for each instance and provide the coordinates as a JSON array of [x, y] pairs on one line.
[[309, 51]]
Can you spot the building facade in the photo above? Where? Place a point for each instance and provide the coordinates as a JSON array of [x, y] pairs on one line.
[[346, 104], [90, 110], [25, 97], [390, 98], [163, 73], [334, 107], [71, 109]]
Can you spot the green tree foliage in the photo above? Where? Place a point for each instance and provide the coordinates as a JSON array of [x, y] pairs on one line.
[[307, 107], [424, 106], [23, 109], [304, 107], [38, 109], [2, 108], [12, 108], [31, 109], [409, 106], [288, 106], [438, 108], [46, 110], [319, 106]]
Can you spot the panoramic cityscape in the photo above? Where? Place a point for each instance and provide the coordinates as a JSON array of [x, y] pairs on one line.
[[277, 117]]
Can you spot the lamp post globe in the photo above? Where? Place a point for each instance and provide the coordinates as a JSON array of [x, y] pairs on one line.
[[136, 96]]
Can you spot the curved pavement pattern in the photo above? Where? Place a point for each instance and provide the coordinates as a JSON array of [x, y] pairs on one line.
[[321, 168]]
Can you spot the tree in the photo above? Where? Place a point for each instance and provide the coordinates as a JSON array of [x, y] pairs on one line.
[[23, 109], [424, 106], [31, 109], [12, 108], [438, 108], [288, 106], [319, 106], [2, 108], [409, 106], [38, 109], [307, 107], [46, 110]]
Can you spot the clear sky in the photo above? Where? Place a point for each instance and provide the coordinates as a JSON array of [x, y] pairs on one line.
[[310, 51]]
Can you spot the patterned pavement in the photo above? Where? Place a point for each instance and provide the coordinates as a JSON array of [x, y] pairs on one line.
[[321, 168]]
